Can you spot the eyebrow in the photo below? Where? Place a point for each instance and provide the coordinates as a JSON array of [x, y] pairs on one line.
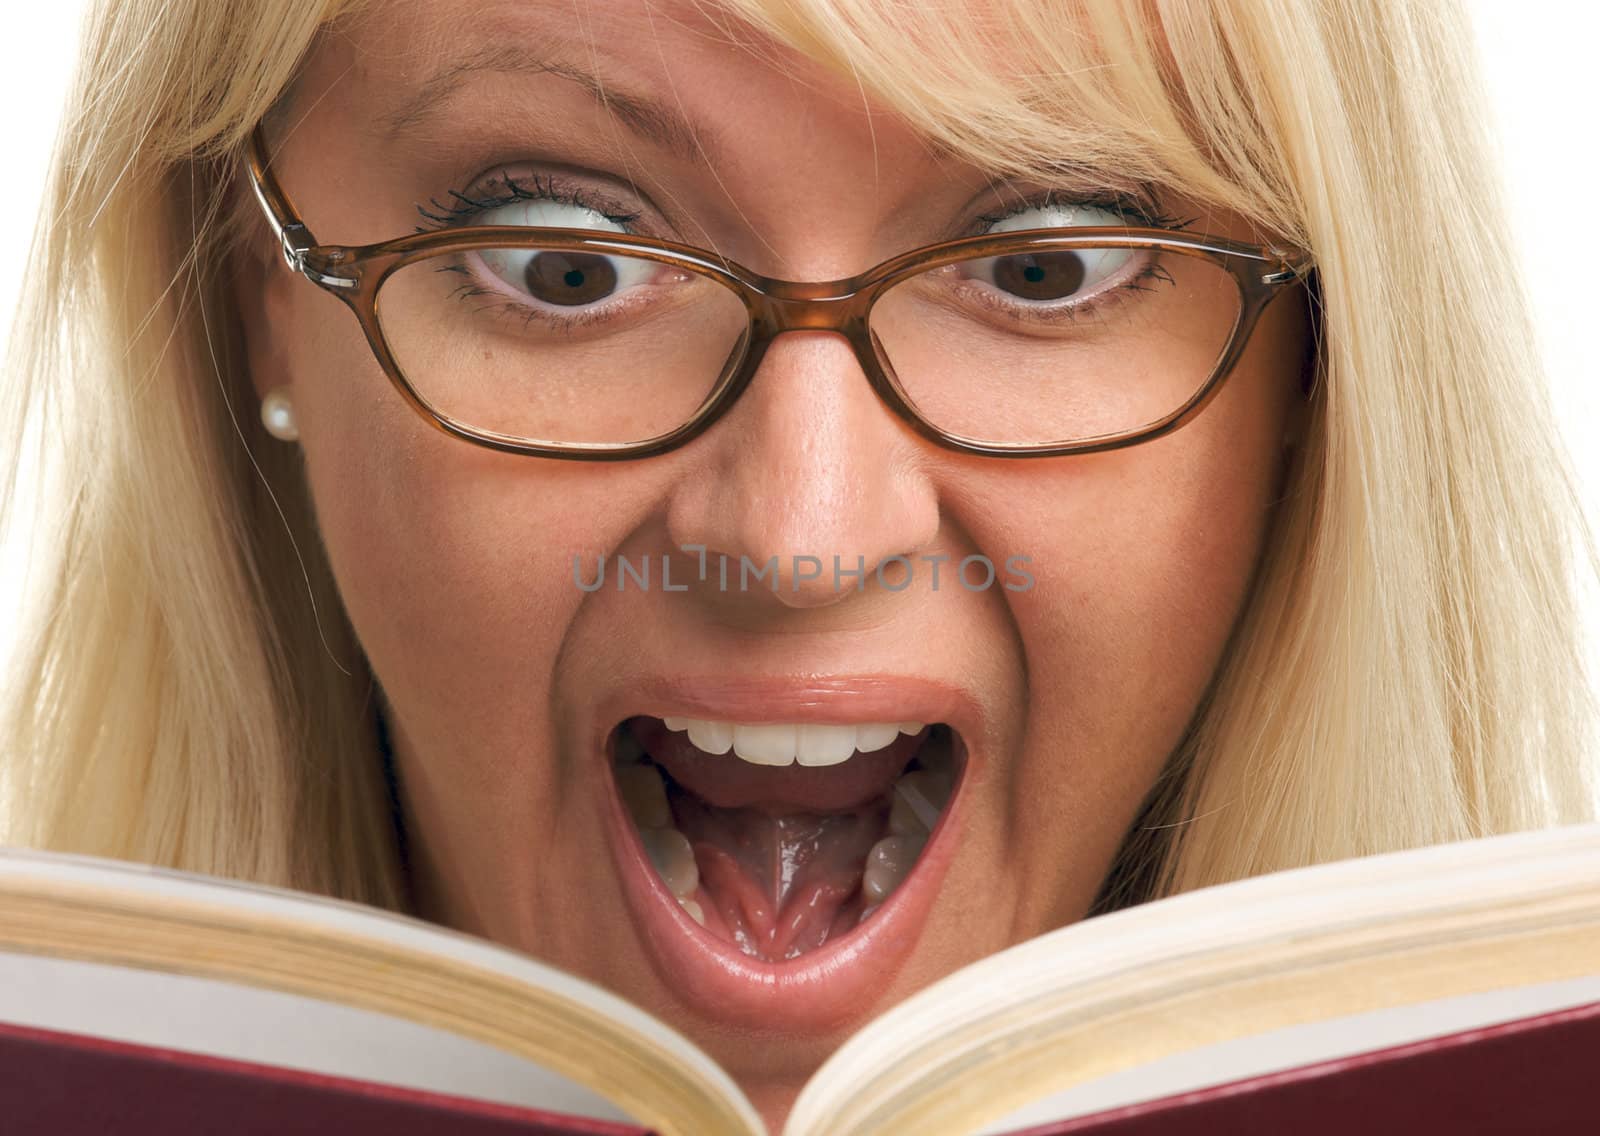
[[647, 117]]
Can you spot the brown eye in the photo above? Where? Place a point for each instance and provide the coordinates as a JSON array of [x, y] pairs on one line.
[[1050, 277], [561, 278], [1041, 276], [569, 278]]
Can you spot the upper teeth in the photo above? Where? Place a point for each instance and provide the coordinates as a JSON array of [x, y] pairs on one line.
[[809, 743]]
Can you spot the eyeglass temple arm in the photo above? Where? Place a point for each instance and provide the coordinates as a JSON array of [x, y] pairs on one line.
[[1293, 264], [294, 239]]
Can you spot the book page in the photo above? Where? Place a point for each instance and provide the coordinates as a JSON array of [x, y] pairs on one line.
[[269, 1027], [1296, 1046], [132, 915], [1121, 991]]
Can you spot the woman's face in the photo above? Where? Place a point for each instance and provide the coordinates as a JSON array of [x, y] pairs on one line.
[[510, 686]]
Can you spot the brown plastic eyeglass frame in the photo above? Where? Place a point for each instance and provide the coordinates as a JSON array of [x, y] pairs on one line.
[[356, 273]]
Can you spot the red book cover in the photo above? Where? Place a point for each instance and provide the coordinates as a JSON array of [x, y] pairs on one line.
[[1533, 1076], [65, 1084], [1529, 1076]]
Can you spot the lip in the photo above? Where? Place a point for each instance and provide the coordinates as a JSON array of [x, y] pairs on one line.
[[826, 988]]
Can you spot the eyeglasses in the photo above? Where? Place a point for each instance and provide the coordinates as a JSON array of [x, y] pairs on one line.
[[569, 343]]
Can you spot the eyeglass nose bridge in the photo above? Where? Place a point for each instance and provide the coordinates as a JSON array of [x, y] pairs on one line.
[[838, 306], [823, 305]]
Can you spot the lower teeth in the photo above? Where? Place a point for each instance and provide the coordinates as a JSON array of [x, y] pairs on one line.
[[669, 851], [915, 802], [888, 864]]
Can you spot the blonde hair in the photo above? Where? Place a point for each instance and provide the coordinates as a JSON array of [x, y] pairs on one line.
[[1407, 671]]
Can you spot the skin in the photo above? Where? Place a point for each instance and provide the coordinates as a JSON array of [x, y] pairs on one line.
[[454, 561]]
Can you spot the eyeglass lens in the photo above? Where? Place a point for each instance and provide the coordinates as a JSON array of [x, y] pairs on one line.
[[568, 346]]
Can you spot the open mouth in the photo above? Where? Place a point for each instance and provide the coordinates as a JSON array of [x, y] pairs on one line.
[[778, 839]]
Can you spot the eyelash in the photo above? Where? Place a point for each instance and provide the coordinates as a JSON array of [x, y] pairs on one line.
[[544, 189], [1141, 213]]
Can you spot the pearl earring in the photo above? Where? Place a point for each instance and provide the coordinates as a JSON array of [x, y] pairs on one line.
[[277, 415]]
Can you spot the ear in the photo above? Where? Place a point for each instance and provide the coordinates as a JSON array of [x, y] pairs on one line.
[[1298, 419], [261, 293]]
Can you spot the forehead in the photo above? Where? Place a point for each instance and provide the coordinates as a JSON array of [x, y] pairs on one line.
[[746, 135], [412, 54]]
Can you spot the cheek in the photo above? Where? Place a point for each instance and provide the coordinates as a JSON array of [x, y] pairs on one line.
[[453, 561], [1143, 560], [1184, 549], [1136, 593], [1173, 531]]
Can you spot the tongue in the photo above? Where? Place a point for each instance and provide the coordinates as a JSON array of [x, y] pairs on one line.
[[780, 884], [781, 850]]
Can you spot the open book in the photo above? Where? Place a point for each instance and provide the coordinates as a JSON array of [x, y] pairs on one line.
[[1217, 985]]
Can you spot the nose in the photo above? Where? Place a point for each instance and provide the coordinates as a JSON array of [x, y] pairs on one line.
[[809, 480]]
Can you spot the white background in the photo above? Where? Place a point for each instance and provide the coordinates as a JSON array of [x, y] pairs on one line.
[[1538, 64]]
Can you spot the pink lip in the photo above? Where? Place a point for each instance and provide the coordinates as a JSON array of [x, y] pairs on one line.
[[828, 987]]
